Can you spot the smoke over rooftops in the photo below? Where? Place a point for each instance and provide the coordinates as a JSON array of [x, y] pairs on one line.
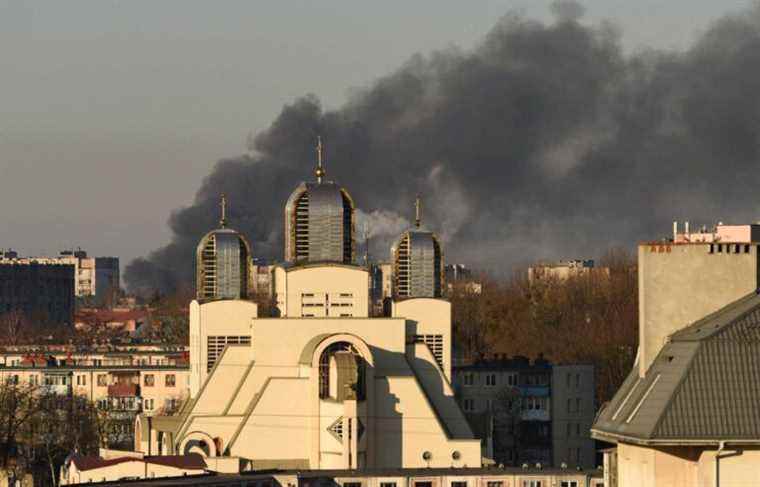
[[542, 142]]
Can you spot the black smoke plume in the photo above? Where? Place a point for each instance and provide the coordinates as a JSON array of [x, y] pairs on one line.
[[545, 141]]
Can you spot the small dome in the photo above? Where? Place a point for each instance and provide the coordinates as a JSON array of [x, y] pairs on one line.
[[417, 260], [222, 263], [319, 222]]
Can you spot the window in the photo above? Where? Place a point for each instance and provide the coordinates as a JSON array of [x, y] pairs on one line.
[[512, 379], [577, 429], [494, 483], [490, 380], [171, 380], [423, 484], [148, 404], [387, 484], [568, 380], [435, 344], [215, 347], [469, 404], [102, 380], [569, 405], [577, 380], [489, 404], [469, 379], [149, 380], [569, 429], [352, 484], [458, 483], [577, 404], [531, 483], [568, 483]]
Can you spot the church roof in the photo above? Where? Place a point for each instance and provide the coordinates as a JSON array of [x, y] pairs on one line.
[[704, 385]]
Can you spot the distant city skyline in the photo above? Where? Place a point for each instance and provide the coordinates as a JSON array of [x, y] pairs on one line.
[[114, 112]]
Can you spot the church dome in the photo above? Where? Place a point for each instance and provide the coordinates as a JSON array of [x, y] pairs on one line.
[[319, 221], [417, 259], [222, 263]]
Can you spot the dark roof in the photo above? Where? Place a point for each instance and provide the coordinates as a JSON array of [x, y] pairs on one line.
[[192, 461], [704, 385]]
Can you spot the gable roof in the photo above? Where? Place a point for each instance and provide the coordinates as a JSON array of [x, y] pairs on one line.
[[703, 387]]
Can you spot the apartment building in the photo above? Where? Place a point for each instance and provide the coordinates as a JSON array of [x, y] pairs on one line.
[[687, 414], [122, 383], [530, 413], [40, 290]]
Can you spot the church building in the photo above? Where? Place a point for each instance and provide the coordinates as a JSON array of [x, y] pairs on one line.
[[318, 383]]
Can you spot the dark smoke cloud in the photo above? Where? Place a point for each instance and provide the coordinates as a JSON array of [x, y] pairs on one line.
[[545, 141]]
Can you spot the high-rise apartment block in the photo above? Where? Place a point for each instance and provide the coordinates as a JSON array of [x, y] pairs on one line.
[[41, 290], [528, 413]]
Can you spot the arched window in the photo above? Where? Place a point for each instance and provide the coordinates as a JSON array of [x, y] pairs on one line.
[[324, 369]]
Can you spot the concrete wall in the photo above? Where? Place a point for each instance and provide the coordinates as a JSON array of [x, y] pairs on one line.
[[571, 437], [427, 316], [318, 290], [687, 466], [679, 284]]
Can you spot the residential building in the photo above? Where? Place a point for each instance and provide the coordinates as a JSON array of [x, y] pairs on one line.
[[123, 383], [40, 290], [96, 277], [87, 469], [530, 412], [322, 385], [573, 408], [563, 269], [461, 278], [688, 412]]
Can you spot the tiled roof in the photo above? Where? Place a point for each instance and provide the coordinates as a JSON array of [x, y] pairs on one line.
[[704, 385]]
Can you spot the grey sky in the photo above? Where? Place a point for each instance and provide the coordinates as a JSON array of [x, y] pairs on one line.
[[112, 112]]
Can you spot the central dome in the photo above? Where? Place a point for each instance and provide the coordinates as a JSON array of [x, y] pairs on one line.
[[319, 222]]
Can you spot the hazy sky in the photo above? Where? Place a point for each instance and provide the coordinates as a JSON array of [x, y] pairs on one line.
[[112, 112]]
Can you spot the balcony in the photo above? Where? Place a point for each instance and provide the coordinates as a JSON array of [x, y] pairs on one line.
[[123, 390], [535, 415], [59, 389]]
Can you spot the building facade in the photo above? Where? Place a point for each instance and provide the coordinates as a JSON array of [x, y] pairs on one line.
[[85, 470], [121, 383], [688, 412], [43, 291], [528, 413], [320, 384]]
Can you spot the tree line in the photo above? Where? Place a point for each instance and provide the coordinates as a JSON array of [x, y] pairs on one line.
[[587, 317]]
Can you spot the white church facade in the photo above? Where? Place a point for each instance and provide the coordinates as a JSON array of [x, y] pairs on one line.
[[321, 384]]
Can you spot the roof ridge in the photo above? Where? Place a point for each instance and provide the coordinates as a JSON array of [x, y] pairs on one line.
[[704, 328]]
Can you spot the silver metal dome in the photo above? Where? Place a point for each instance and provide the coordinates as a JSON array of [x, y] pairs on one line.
[[222, 263], [319, 221], [417, 260]]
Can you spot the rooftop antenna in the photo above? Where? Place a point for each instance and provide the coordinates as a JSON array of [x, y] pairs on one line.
[[223, 205], [320, 171], [418, 212]]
